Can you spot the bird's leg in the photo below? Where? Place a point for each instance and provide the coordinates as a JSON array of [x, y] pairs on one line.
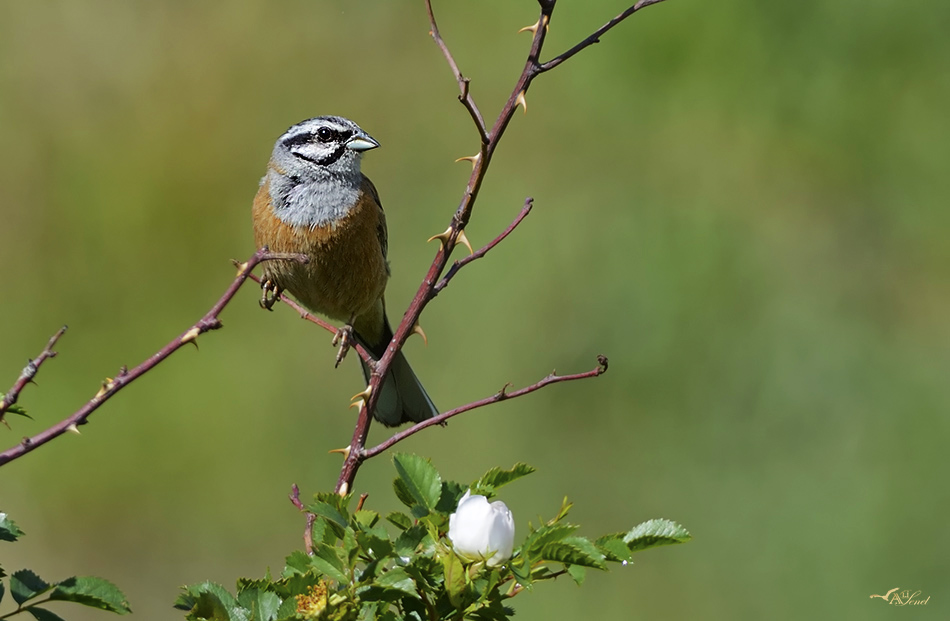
[[270, 294], [343, 338]]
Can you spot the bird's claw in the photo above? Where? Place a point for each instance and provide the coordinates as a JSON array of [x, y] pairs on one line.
[[270, 294], [343, 338]]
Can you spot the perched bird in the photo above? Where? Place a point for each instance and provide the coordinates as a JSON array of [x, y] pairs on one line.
[[315, 201]]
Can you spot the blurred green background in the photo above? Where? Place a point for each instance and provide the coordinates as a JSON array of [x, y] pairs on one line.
[[743, 204]]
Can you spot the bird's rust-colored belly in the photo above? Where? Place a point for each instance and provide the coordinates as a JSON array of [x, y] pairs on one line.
[[347, 272]]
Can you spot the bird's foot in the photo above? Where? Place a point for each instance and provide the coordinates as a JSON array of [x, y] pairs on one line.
[[270, 294], [343, 338]]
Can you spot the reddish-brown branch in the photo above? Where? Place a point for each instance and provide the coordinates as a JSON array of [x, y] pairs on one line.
[[432, 284], [481, 252], [29, 372], [595, 37], [465, 95], [125, 377], [501, 395], [326, 325]]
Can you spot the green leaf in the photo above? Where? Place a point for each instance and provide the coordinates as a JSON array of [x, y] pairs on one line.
[[265, 606], [208, 601], [399, 520], [496, 477], [574, 551], [548, 533], [613, 547], [3, 591], [41, 614], [366, 519], [654, 533], [24, 585], [451, 493], [9, 531], [93, 592], [409, 540], [420, 477], [577, 572], [397, 578], [327, 562], [454, 579], [16, 409], [329, 512], [297, 563], [288, 609]]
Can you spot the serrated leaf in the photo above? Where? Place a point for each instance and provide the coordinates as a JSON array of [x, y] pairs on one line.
[[327, 561], [574, 551], [399, 520], [497, 477], [421, 479], [93, 592], [403, 493], [532, 546], [366, 519], [454, 576], [577, 572], [41, 614], [654, 533], [449, 498], [613, 547], [210, 602], [297, 563], [521, 572], [329, 512], [397, 578], [24, 585], [288, 609], [9, 531], [409, 540], [265, 606], [18, 410]]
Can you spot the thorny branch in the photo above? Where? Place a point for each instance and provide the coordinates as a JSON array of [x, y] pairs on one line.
[[111, 386], [29, 372], [434, 282], [501, 395]]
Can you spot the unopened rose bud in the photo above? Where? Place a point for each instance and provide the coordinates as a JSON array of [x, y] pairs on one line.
[[481, 531]]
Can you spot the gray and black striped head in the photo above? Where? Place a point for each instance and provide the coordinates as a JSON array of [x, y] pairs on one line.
[[326, 143]]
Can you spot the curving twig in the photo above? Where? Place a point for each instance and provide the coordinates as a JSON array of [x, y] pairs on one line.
[[29, 372], [111, 386], [501, 395]]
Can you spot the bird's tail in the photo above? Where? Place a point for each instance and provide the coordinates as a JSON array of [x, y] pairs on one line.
[[403, 399]]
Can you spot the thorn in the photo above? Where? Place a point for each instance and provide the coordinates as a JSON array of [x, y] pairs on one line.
[[358, 405], [442, 237], [191, 336], [471, 158], [344, 488], [242, 267], [73, 429], [520, 101], [362, 395], [345, 451], [462, 238], [107, 385], [417, 329], [533, 28]]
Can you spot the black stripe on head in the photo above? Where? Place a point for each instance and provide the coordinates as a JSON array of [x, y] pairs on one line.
[[326, 161], [298, 139]]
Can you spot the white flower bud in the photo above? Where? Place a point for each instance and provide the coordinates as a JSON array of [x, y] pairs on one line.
[[481, 531]]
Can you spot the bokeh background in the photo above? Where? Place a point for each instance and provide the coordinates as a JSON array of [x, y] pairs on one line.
[[742, 203]]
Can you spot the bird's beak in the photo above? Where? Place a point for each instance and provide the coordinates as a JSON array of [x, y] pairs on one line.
[[361, 142]]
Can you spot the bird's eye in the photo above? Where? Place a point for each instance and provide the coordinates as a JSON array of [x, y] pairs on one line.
[[325, 134]]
